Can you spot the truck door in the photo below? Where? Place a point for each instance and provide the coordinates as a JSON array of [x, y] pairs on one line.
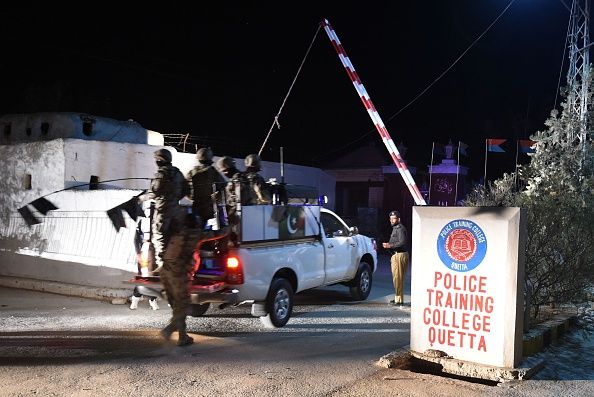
[[339, 248]]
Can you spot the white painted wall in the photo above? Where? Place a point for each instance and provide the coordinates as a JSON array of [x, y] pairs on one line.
[[64, 163], [108, 160], [65, 125], [61, 125], [77, 243], [43, 160]]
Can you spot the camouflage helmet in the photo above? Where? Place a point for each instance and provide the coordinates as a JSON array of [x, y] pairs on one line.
[[204, 155], [225, 163], [253, 161], [163, 155]]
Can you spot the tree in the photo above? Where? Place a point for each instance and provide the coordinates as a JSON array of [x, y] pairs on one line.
[[559, 204]]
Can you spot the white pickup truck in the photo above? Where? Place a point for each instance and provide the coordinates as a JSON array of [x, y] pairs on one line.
[[281, 250]]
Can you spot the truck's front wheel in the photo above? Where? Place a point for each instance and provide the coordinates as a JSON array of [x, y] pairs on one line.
[[279, 304], [361, 284]]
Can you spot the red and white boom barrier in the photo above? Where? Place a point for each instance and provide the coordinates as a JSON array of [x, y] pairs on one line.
[[375, 117]]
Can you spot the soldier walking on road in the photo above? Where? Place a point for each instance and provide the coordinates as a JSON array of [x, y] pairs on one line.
[[398, 247], [169, 238]]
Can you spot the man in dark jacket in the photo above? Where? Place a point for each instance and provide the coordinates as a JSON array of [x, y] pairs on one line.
[[398, 247], [169, 238], [201, 179]]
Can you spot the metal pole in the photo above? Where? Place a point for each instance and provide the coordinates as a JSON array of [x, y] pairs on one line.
[[516, 173], [457, 171], [485, 176], [431, 169], [282, 164]]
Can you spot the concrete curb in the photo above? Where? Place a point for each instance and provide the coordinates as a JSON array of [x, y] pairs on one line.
[[546, 333], [116, 296], [397, 359], [528, 367], [406, 359], [534, 341]]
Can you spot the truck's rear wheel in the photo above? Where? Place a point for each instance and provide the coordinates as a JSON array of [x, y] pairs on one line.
[[279, 304], [198, 310], [361, 284]]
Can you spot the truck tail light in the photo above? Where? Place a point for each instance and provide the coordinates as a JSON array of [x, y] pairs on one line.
[[374, 244], [196, 260], [234, 270]]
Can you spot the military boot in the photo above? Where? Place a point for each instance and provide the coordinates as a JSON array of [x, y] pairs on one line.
[[184, 339], [168, 330]]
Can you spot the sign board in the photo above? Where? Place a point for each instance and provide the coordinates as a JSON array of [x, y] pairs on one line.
[[467, 283]]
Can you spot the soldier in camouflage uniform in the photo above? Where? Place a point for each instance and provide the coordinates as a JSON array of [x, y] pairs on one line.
[[169, 238], [236, 192], [259, 191], [201, 179]]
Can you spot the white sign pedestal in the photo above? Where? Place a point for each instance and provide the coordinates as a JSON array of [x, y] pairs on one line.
[[467, 283]]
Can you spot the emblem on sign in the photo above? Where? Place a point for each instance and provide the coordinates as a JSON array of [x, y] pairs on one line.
[[461, 245]]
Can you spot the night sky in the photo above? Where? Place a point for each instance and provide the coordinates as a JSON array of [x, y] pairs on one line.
[[220, 72]]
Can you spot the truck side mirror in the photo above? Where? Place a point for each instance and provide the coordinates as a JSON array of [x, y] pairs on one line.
[[338, 233], [353, 230]]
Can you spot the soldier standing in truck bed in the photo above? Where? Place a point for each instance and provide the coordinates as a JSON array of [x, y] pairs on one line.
[[237, 192], [259, 193], [201, 179]]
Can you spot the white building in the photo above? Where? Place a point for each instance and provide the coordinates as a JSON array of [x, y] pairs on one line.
[[77, 244]]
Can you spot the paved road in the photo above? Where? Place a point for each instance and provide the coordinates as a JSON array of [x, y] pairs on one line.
[[55, 345]]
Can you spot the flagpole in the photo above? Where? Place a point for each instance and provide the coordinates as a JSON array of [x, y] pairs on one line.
[[485, 176], [457, 169], [516, 173], [431, 170]]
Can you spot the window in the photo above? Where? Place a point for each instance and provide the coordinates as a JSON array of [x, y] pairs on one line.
[[7, 129], [94, 182], [45, 128], [27, 182], [87, 127], [332, 226]]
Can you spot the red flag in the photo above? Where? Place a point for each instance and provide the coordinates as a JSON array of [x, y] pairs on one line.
[[526, 145], [493, 145]]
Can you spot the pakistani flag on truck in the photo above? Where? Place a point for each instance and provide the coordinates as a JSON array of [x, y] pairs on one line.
[[293, 224]]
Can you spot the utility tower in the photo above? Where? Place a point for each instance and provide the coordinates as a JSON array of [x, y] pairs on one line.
[[579, 66]]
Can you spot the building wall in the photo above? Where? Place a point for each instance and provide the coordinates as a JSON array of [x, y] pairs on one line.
[[396, 197], [65, 163], [44, 161], [35, 127], [357, 174], [443, 190], [77, 243], [108, 161]]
